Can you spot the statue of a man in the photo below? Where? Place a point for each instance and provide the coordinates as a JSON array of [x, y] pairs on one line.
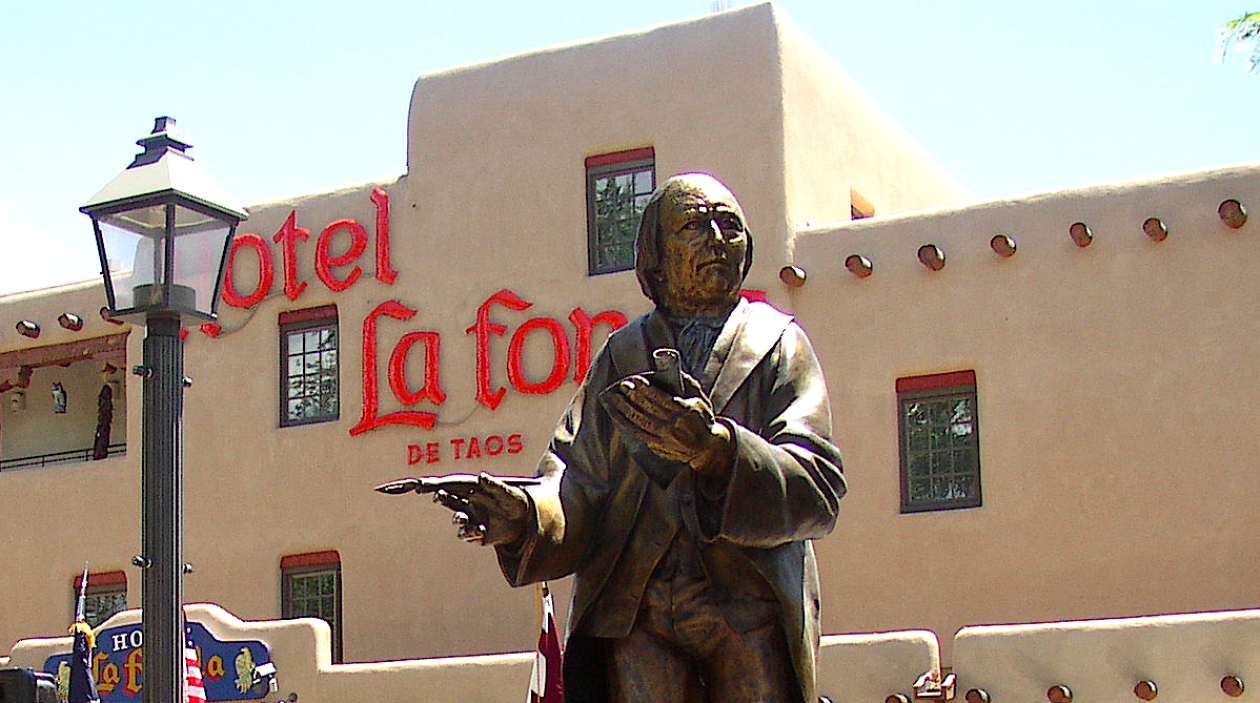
[[686, 509]]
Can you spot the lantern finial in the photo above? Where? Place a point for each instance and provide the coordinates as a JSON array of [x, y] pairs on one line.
[[162, 140]]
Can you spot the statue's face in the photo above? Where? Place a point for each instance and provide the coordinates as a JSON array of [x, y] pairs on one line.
[[702, 246]]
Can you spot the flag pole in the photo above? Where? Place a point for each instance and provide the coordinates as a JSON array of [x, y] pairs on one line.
[[82, 687], [540, 590], [78, 612]]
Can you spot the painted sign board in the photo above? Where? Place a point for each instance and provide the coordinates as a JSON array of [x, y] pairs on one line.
[[227, 667]]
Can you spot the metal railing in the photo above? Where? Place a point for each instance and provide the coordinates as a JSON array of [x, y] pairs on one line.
[[68, 457]]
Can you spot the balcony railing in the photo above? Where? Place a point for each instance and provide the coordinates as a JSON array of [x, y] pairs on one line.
[[72, 456]]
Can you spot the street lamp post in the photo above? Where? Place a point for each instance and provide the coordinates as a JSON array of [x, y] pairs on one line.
[[163, 227]]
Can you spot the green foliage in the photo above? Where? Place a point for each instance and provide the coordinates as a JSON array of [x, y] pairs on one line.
[[1244, 34]]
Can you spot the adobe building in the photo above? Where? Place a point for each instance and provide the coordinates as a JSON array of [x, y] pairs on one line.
[[1043, 403]]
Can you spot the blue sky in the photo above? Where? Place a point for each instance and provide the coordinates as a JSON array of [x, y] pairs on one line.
[[281, 97]]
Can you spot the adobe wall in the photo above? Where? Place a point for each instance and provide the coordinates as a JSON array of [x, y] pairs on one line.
[[857, 667], [67, 513], [837, 140], [1184, 658], [1116, 445], [1115, 457]]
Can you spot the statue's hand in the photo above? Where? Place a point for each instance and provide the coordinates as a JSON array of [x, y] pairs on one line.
[[675, 428], [494, 513]]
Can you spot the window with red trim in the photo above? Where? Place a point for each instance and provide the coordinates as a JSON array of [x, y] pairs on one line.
[[618, 186], [310, 587], [309, 366], [939, 434], [105, 595]]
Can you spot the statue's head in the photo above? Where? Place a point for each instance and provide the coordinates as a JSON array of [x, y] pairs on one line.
[[693, 249]]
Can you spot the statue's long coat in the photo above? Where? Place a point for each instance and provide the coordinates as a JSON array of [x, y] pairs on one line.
[[783, 491]]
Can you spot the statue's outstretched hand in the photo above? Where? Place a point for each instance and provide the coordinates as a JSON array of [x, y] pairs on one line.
[[494, 513], [676, 428]]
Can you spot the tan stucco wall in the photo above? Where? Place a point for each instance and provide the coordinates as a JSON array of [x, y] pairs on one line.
[[55, 516], [503, 144], [1117, 444], [1115, 460], [1185, 656], [856, 667], [310, 487], [836, 139]]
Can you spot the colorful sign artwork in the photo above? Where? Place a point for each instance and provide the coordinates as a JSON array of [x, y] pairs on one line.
[[227, 668]]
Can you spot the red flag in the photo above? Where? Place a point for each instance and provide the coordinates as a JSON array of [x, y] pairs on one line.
[[545, 683], [194, 688]]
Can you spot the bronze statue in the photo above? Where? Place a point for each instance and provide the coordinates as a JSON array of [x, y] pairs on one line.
[[684, 502]]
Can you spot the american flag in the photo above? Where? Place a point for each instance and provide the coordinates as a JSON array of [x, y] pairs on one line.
[[194, 688], [545, 682]]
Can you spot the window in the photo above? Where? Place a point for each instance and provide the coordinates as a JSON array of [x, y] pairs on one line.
[[618, 186], [308, 363], [106, 594], [310, 587], [940, 442]]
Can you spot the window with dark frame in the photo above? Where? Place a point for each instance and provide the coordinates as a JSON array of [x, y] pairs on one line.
[[309, 363], [618, 186], [105, 595], [310, 587], [939, 434]]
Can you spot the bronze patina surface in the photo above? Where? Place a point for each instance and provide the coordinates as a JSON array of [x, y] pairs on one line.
[[683, 485]]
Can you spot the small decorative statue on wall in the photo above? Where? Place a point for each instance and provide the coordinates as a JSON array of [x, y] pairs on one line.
[[59, 398], [683, 485], [104, 420]]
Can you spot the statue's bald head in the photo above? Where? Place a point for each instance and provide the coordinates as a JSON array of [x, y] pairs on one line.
[[693, 249]]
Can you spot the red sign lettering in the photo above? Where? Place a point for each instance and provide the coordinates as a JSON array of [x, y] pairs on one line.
[[289, 234], [371, 398], [432, 388], [324, 261], [384, 273], [583, 324], [559, 367], [430, 453], [471, 447], [483, 328], [266, 271]]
